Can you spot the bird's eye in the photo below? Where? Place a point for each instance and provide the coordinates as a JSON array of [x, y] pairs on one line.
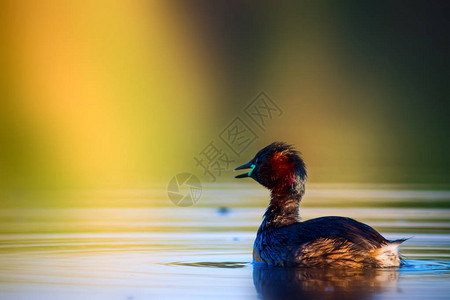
[[256, 160]]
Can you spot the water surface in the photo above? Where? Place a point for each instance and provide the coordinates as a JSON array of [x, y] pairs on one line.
[[135, 244]]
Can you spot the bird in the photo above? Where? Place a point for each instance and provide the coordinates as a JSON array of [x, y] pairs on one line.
[[325, 242]]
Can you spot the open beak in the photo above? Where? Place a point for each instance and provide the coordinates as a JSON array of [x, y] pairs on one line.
[[248, 165]]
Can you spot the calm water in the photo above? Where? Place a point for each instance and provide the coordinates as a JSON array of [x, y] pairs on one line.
[[135, 244]]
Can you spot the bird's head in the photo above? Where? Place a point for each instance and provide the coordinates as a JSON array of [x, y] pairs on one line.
[[278, 167]]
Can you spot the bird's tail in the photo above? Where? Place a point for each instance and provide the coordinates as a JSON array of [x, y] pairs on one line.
[[388, 255]]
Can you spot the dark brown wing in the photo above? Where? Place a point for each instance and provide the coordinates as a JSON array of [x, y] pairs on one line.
[[348, 229], [333, 241]]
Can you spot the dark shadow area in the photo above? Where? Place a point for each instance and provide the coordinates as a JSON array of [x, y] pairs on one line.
[[273, 283]]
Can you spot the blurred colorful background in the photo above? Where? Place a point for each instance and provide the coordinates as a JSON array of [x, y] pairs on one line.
[[123, 94], [103, 103]]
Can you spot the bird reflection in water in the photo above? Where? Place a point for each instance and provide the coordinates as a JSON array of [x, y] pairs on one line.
[[277, 283]]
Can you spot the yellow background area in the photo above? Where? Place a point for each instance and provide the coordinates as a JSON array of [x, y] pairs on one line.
[[126, 93]]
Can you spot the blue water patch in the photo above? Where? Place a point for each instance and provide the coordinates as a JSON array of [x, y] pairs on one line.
[[425, 266]]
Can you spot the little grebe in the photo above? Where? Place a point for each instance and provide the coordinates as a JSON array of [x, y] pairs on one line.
[[283, 240]]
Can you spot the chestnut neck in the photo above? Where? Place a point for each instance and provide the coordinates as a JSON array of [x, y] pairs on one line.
[[284, 204]]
